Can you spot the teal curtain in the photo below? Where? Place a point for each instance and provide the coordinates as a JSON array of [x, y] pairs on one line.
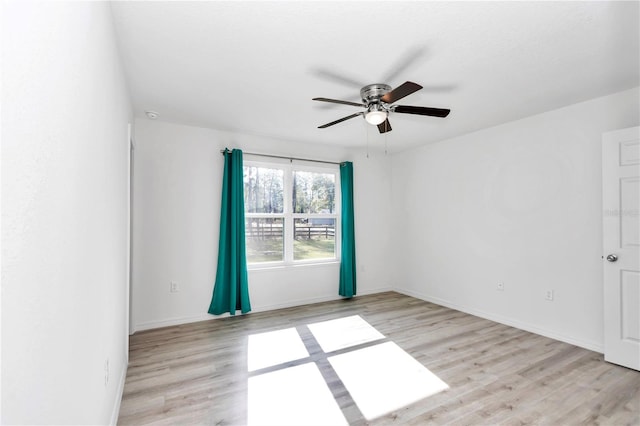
[[348, 243], [231, 290]]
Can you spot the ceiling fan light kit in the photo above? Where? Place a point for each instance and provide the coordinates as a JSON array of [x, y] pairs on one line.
[[376, 114], [377, 99]]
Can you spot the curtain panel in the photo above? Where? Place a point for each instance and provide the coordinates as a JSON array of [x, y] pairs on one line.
[[348, 243], [231, 289]]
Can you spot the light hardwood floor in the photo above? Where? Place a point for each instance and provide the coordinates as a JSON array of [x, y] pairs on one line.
[[197, 373]]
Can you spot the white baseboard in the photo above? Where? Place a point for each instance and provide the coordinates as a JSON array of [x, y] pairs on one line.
[[176, 321], [293, 303], [312, 300], [116, 406], [288, 304], [592, 346]]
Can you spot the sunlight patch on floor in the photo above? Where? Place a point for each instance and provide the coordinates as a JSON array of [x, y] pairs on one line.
[[383, 378], [343, 333], [274, 348], [294, 396]]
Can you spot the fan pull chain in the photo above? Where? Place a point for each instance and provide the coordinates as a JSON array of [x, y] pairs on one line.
[[366, 131], [385, 143]]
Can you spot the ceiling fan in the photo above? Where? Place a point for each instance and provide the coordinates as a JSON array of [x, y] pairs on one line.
[[378, 99]]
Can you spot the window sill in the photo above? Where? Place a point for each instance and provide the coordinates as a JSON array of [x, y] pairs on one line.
[[283, 265]]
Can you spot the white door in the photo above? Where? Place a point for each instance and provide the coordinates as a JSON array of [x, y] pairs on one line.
[[621, 228]]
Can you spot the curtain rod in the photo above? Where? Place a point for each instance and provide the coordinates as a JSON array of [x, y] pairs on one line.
[[222, 151]]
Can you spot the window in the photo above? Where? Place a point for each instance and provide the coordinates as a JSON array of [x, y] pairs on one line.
[[290, 213]]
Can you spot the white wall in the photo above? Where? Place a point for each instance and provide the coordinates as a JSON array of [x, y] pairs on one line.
[[64, 214], [518, 203], [177, 187]]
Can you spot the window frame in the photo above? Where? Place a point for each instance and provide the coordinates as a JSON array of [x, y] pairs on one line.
[[289, 217]]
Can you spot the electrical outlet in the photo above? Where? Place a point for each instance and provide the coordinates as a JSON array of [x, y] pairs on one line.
[[549, 295], [174, 287], [500, 287]]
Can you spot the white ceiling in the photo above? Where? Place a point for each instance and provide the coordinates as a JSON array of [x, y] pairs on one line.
[[253, 67]]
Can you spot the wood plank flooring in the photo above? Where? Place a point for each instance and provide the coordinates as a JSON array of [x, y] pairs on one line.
[[197, 373]]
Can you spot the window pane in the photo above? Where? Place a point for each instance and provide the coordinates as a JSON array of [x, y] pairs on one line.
[[314, 238], [265, 239], [313, 192], [263, 190]]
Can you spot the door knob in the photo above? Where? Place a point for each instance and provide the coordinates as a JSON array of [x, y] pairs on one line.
[[612, 258]]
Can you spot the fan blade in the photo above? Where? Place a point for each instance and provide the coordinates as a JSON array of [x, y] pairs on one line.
[[433, 112], [440, 88], [348, 117], [336, 77], [405, 89], [336, 101], [385, 126], [409, 58]]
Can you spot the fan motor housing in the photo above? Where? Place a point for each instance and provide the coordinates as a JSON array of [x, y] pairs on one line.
[[373, 92]]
